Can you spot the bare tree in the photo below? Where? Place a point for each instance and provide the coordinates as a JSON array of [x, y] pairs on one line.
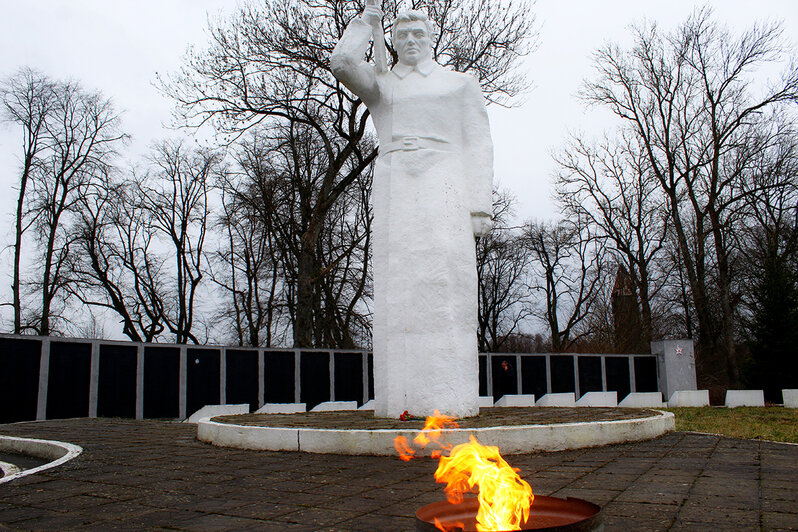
[[280, 171], [140, 243], [175, 199], [610, 186], [687, 99], [249, 276], [605, 328], [269, 64], [28, 97], [344, 316], [502, 267], [250, 273], [118, 268], [81, 133], [568, 268], [768, 271]]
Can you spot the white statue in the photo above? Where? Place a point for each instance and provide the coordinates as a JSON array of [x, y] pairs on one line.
[[432, 195]]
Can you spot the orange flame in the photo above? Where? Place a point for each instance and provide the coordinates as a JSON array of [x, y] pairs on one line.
[[504, 497], [403, 448], [433, 427], [431, 433]]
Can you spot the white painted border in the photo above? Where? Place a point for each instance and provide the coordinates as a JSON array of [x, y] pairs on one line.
[[9, 469], [57, 451], [518, 439]]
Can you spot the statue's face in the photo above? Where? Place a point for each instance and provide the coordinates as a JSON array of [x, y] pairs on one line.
[[412, 42]]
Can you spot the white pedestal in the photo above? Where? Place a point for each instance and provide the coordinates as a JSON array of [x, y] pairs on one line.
[[557, 399], [605, 399], [790, 398], [642, 400], [333, 406], [282, 408], [485, 401], [676, 361], [684, 398], [516, 400], [735, 398]]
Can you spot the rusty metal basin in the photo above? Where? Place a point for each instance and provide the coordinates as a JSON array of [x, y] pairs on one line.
[[551, 514]]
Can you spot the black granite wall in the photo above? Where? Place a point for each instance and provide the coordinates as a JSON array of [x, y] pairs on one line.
[[65, 389]]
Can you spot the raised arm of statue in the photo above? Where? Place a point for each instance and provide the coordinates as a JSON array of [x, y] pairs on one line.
[[348, 60], [372, 15], [478, 150]]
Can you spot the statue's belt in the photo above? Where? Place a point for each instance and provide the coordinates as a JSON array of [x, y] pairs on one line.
[[415, 143]]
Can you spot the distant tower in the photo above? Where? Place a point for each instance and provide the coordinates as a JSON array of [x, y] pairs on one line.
[[626, 314]]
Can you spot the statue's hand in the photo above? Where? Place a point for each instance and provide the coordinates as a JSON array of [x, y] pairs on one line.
[[481, 223], [372, 14]]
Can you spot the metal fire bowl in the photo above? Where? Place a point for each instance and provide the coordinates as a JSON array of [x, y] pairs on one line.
[[547, 513]]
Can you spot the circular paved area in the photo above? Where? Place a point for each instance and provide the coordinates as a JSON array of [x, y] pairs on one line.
[[150, 474]]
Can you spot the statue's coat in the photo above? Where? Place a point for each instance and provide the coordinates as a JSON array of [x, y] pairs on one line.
[[424, 261]]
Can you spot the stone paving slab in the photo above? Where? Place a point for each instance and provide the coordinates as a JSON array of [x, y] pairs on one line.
[[151, 474]]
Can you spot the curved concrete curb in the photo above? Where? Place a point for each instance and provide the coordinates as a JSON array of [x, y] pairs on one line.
[[8, 469], [510, 439], [57, 452]]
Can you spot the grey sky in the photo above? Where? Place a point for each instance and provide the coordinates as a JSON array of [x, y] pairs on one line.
[[117, 46]]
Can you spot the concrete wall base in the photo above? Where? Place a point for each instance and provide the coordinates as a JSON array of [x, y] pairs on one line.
[[642, 400], [790, 398], [735, 398], [485, 401], [282, 408], [557, 399], [684, 398], [516, 400], [605, 399], [217, 410], [332, 406]]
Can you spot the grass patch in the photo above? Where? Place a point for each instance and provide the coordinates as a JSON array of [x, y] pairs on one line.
[[751, 423]]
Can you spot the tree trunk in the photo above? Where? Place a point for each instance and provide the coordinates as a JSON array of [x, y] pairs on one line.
[[646, 328], [307, 270], [47, 296], [15, 288]]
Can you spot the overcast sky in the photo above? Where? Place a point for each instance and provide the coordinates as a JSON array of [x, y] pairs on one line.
[[117, 46]]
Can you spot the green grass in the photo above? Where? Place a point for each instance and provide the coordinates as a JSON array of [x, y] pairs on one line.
[[752, 423]]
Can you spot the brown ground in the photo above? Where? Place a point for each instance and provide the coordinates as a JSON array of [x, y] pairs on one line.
[[488, 417]]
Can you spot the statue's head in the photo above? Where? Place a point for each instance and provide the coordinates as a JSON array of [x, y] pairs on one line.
[[411, 36]]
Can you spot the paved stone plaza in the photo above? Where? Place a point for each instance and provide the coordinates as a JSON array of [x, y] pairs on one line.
[[150, 474]]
